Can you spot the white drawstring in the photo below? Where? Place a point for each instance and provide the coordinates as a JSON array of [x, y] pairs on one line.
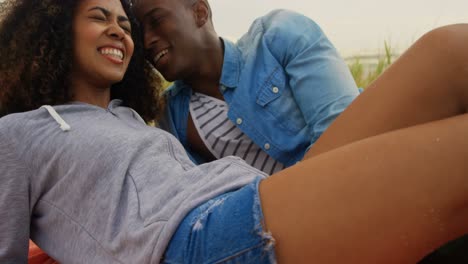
[[63, 125]]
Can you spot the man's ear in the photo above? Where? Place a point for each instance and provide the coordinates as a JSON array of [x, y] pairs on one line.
[[202, 12]]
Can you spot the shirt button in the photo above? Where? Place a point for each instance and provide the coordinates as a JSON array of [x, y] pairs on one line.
[[275, 90], [223, 88], [239, 121], [267, 146]]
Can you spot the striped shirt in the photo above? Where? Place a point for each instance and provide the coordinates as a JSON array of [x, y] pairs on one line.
[[222, 138]]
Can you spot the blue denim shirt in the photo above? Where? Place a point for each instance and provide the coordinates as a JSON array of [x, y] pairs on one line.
[[284, 83]]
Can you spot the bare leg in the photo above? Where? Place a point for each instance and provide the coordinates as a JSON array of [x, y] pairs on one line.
[[428, 82], [392, 184], [391, 198]]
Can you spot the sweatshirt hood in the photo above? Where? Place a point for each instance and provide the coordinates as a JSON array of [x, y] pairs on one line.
[[115, 107]]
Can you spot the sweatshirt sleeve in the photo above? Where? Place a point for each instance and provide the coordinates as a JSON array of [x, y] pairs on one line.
[[14, 204]]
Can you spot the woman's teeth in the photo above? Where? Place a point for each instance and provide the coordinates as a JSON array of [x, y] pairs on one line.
[[112, 52]]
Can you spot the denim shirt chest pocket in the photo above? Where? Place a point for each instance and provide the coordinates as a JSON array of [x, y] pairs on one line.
[[275, 97]]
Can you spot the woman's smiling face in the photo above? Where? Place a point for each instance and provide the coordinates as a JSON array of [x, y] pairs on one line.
[[103, 44]]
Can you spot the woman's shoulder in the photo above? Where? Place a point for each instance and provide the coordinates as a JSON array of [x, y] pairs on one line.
[[12, 122], [12, 117]]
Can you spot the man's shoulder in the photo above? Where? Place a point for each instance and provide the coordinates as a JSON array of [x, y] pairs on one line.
[[279, 24], [281, 14], [283, 20]]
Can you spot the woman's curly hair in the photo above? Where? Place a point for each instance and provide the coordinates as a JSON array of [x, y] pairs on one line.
[[36, 53]]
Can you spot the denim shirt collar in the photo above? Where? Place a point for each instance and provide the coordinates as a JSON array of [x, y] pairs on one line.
[[177, 87], [231, 65]]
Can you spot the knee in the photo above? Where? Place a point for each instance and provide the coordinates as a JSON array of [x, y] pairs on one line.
[[450, 41]]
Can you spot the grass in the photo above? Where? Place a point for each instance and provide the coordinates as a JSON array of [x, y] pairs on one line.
[[364, 77]]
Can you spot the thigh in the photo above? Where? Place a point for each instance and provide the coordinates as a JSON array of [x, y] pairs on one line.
[[428, 82], [401, 194]]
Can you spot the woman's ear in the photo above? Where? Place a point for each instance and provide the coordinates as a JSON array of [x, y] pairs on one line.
[[202, 12]]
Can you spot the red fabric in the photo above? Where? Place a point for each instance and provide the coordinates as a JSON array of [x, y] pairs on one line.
[[37, 256]]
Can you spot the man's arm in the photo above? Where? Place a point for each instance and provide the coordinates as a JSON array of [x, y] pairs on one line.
[[321, 82]]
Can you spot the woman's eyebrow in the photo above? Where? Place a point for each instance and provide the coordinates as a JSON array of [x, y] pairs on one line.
[[103, 10], [108, 13], [123, 19]]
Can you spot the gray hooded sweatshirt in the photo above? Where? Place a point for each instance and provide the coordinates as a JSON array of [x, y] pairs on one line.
[[94, 185]]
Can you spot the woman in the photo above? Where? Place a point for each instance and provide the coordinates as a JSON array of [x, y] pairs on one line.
[[89, 182]]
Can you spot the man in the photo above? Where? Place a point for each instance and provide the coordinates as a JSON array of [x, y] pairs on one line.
[[266, 98]]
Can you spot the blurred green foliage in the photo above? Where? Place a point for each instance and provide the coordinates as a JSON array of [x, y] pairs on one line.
[[363, 76]]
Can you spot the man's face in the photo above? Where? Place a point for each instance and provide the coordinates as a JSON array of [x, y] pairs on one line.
[[169, 35]]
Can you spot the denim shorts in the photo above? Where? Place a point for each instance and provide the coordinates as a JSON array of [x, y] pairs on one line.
[[226, 229]]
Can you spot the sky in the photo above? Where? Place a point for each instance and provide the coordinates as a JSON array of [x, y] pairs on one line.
[[354, 26]]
